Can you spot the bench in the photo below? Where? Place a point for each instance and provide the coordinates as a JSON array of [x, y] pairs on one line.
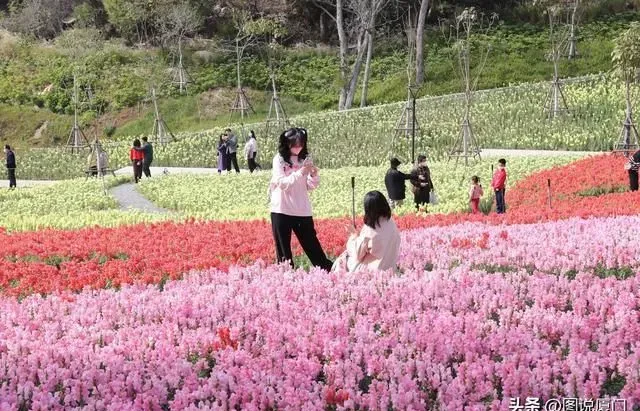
[[93, 172]]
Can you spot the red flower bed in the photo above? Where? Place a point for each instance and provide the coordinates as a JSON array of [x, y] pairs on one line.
[[49, 260]]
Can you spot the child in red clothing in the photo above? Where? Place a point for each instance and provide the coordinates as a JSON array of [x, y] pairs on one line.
[[136, 157], [498, 184], [474, 194]]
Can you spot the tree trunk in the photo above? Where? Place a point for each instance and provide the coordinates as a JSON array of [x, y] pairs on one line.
[[422, 17], [322, 28], [350, 87], [342, 37], [367, 70]]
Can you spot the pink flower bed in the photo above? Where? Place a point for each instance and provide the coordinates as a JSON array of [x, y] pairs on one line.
[[457, 336]]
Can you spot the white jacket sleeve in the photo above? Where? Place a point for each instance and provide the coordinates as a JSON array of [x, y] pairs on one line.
[[358, 247], [279, 179]]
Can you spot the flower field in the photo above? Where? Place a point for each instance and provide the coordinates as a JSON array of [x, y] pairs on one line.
[[67, 204], [541, 302], [507, 118], [332, 198], [49, 260], [478, 315], [81, 203]]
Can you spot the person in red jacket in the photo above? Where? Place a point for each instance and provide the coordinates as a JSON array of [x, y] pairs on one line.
[[498, 185], [136, 156]]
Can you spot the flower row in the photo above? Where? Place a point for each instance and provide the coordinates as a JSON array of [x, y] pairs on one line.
[[49, 260], [268, 338]]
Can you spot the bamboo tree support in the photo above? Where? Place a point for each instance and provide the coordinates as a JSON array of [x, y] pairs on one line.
[[281, 121], [628, 140], [181, 76], [161, 134], [572, 48], [407, 124], [556, 102], [77, 141]]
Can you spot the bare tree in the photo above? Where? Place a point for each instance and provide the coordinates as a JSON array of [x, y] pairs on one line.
[[626, 61], [422, 18], [355, 21], [40, 18], [461, 37], [178, 23]]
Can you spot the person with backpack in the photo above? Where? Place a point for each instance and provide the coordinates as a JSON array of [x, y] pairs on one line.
[[394, 182]]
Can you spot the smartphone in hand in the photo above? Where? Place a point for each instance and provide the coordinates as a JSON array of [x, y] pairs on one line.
[[308, 161]]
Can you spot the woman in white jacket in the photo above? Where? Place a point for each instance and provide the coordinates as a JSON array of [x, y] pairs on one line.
[[378, 244]]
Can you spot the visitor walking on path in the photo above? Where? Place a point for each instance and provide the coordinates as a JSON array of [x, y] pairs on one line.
[[11, 165], [632, 167], [293, 176], [394, 181], [422, 186], [498, 183], [147, 150], [251, 152], [475, 193], [222, 153], [232, 149], [136, 155], [377, 246]]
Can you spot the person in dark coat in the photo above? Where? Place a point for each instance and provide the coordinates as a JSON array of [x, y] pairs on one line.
[[222, 154], [232, 148], [11, 165], [632, 167], [394, 182], [422, 186]]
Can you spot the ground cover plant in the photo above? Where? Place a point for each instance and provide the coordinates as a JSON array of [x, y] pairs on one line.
[[477, 315], [66, 205], [242, 197], [504, 118], [48, 260]]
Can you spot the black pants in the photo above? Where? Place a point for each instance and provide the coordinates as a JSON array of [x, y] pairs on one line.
[[252, 164], [282, 226], [145, 167], [233, 158], [11, 172], [500, 205], [633, 180], [137, 170]]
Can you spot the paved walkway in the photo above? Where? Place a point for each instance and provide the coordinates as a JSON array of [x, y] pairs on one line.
[[157, 171], [28, 183], [129, 198]]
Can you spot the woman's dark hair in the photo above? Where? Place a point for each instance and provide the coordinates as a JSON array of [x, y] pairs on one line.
[[375, 207], [293, 137], [475, 179], [136, 143], [253, 135]]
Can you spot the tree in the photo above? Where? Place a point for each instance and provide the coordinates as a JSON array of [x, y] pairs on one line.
[[177, 24], [463, 44], [39, 18], [626, 61], [356, 25], [422, 18]]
